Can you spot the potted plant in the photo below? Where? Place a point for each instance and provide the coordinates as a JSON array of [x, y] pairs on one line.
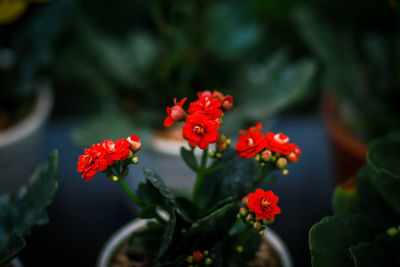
[[364, 230], [222, 221], [359, 76], [25, 96], [26, 208]]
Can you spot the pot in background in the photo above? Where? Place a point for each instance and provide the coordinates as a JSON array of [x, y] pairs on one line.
[[123, 234], [21, 145], [349, 152]]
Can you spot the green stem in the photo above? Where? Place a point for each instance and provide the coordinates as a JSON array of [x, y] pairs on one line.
[[200, 176], [129, 193], [265, 170]]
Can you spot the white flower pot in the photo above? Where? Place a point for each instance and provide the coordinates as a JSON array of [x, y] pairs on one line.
[[21, 144], [123, 234]]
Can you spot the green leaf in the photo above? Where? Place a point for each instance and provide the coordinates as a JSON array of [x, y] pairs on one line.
[[233, 179], [344, 201], [329, 243], [371, 203], [366, 254], [189, 158], [212, 227], [148, 212], [383, 155], [22, 210], [187, 207], [170, 206]]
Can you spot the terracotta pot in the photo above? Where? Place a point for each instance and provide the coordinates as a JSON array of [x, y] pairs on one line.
[[349, 152], [123, 234], [21, 145]]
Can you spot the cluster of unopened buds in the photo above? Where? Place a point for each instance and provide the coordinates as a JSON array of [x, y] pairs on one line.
[[259, 209], [199, 258], [270, 148], [221, 146], [203, 119], [112, 158]]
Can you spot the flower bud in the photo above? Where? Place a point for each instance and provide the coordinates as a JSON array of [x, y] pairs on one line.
[[135, 143], [266, 155], [292, 157], [218, 95], [189, 259], [113, 177], [238, 215], [228, 141], [221, 146], [285, 171], [177, 113], [257, 225], [239, 249], [135, 160], [243, 211], [211, 154], [392, 231], [205, 252], [198, 256], [208, 261], [245, 200], [281, 163], [262, 164], [218, 155], [227, 103], [261, 232], [249, 217], [257, 157]]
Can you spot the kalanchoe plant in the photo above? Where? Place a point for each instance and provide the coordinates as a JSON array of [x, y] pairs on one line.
[[222, 222], [364, 230]]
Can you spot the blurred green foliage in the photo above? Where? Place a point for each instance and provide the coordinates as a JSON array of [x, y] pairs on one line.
[[365, 228], [359, 55]]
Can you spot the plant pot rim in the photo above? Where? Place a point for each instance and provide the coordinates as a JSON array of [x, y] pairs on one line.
[[120, 235], [34, 120]]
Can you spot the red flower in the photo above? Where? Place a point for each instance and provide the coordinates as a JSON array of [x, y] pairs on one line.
[[263, 204], [135, 142], [279, 143], [95, 159], [198, 256], [207, 106], [251, 143], [176, 113], [254, 129], [200, 131], [118, 150]]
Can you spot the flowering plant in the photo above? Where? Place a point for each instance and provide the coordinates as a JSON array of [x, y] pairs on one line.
[[223, 220]]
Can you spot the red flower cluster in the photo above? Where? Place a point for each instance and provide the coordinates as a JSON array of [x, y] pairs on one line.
[[252, 141], [201, 128], [263, 204], [98, 157]]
